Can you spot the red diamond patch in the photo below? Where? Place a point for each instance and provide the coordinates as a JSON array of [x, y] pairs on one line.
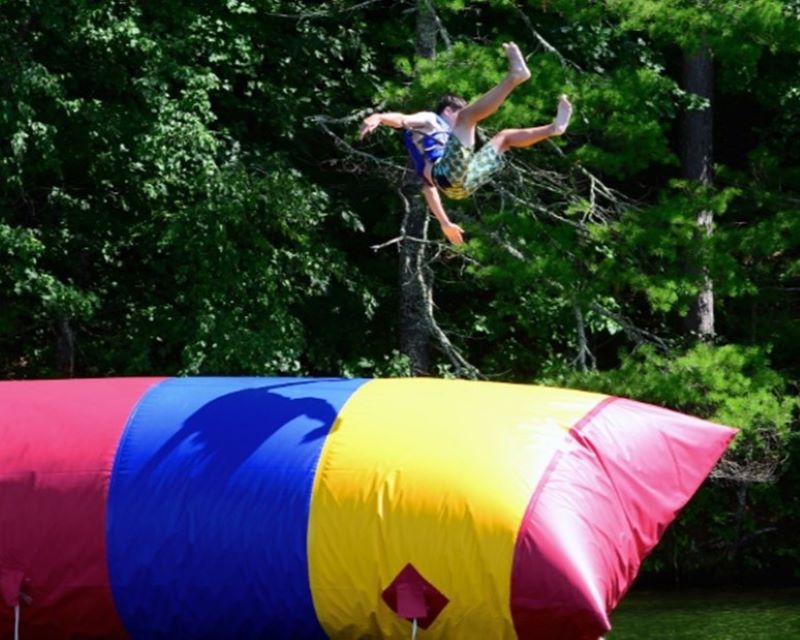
[[411, 597]]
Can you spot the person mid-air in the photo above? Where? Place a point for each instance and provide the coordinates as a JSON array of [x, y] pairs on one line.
[[442, 143]]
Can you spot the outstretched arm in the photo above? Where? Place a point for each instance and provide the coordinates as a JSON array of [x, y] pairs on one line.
[[394, 119], [454, 233]]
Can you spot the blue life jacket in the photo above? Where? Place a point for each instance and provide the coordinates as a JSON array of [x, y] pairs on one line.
[[432, 145]]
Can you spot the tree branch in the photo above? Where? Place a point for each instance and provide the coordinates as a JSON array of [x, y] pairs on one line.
[[390, 168], [322, 13], [583, 346], [540, 39], [634, 333]]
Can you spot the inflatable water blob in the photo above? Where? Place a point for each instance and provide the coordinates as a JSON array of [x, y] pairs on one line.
[[245, 508]]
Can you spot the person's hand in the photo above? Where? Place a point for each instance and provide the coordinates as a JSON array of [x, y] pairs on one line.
[[454, 233], [369, 125]]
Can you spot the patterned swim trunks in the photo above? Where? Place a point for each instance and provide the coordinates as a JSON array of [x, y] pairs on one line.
[[461, 170]]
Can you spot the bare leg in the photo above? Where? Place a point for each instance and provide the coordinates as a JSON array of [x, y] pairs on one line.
[[510, 138], [468, 117]]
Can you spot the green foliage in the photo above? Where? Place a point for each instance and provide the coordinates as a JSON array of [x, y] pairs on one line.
[[233, 268], [651, 246], [630, 111], [728, 384], [723, 24], [133, 206], [31, 298]]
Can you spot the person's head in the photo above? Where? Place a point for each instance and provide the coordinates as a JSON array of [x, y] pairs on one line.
[[449, 106]]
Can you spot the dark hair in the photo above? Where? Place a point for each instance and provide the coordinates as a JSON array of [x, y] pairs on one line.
[[454, 102]]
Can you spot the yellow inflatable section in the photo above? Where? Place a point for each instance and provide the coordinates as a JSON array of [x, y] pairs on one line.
[[484, 447]]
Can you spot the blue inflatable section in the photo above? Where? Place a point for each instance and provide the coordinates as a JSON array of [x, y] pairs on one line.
[[197, 540]]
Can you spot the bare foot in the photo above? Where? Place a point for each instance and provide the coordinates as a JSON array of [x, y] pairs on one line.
[[517, 69], [563, 115]]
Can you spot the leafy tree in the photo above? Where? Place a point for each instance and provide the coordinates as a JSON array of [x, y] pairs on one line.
[[156, 235]]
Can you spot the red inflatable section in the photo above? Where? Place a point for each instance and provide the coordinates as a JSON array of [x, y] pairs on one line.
[[605, 501], [52, 548]]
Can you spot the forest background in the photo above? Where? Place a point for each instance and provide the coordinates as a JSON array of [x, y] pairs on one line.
[[182, 192]]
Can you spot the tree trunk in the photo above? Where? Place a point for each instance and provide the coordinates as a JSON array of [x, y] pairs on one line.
[[65, 348], [416, 278], [416, 281], [697, 157], [427, 29]]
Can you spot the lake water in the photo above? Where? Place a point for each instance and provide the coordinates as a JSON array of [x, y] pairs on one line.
[[710, 614]]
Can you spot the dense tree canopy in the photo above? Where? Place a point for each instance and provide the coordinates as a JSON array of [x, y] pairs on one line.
[[182, 191]]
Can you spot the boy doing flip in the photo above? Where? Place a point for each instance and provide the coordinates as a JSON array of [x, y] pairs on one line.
[[442, 143]]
